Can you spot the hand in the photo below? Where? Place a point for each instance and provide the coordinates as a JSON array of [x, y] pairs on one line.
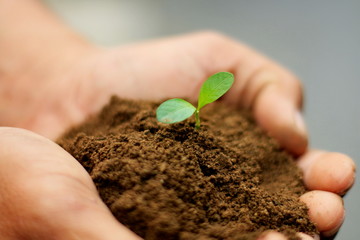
[[176, 67], [46, 194]]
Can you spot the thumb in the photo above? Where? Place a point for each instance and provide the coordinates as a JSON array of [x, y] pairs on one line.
[[262, 85], [277, 112], [274, 96], [46, 194]]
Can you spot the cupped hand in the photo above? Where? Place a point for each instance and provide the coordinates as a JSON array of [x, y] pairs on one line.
[[46, 194], [176, 67]]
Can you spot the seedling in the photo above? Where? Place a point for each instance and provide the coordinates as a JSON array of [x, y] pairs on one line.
[[177, 109]]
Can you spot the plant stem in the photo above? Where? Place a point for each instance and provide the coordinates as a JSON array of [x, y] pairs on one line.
[[197, 120]]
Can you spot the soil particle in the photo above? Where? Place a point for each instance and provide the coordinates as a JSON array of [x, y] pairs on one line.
[[228, 180]]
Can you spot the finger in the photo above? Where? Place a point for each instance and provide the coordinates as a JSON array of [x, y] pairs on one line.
[[326, 210], [272, 235], [274, 94], [50, 194], [333, 172], [283, 121]]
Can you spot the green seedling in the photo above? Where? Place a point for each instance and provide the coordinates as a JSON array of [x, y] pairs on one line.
[[177, 109]]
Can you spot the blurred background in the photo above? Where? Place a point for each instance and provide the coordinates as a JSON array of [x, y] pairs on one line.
[[318, 40]]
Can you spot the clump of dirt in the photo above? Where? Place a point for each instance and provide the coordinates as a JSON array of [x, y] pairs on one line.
[[228, 180]]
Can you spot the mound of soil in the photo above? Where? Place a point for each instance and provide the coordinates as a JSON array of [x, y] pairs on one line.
[[228, 180]]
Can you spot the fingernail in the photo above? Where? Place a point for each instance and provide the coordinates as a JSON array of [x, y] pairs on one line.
[[349, 185], [352, 181], [300, 124], [304, 236], [335, 230]]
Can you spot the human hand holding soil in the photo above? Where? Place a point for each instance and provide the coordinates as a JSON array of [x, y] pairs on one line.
[[73, 79]]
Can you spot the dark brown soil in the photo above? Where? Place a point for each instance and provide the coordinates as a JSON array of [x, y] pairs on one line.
[[227, 180]]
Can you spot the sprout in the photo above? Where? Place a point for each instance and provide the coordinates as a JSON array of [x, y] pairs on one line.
[[177, 109]]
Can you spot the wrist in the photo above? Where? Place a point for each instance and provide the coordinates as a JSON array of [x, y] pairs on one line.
[[38, 56]]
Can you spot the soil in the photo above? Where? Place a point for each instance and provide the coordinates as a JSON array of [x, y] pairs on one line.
[[228, 180]]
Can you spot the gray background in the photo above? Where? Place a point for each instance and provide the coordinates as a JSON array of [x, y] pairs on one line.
[[318, 40]]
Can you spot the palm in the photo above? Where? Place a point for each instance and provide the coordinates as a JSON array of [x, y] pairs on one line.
[[51, 195]]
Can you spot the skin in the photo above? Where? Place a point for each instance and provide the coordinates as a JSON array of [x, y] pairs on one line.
[[56, 79]]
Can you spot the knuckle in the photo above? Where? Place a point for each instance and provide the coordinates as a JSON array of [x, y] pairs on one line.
[[297, 83], [291, 85]]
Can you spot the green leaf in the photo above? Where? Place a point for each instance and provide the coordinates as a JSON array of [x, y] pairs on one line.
[[174, 110], [214, 87]]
